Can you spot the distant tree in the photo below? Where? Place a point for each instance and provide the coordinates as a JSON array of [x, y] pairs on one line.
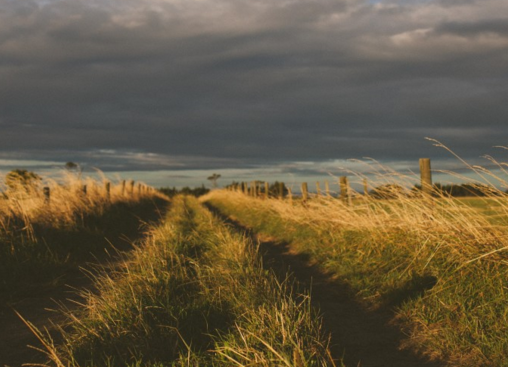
[[71, 166], [214, 179], [21, 179]]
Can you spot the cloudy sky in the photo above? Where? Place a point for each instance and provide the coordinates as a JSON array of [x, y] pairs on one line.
[[171, 90]]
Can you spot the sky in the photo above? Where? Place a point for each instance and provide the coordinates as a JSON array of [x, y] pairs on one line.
[[171, 91]]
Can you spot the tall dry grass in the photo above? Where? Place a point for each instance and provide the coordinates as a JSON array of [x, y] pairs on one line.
[[26, 206], [194, 294], [439, 262], [39, 239]]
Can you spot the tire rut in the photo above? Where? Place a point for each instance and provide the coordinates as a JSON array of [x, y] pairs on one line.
[[359, 337]]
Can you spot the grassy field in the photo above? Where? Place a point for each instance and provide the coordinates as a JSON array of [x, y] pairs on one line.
[[194, 293], [40, 241], [440, 264]]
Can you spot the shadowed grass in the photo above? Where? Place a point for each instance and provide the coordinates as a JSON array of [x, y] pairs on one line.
[[40, 242], [194, 294]]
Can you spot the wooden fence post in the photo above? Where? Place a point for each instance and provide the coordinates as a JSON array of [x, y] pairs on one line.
[[84, 190], [327, 188], [365, 187], [132, 187], [318, 189], [281, 190], [254, 186], [305, 192], [426, 176], [107, 186], [123, 187], [47, 194], [267, 190], [345, 190]]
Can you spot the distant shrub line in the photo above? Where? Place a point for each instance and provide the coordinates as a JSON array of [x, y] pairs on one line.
[[173, 191]]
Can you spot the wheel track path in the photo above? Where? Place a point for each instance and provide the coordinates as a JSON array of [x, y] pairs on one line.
[[359, 337]]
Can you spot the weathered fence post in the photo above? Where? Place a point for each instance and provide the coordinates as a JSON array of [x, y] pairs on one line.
[[254, 185], [107, 186], [345, 190], [305, 192], [267, 190], [365, 187], [123, 187], [47, 194], [281, 190], [318, 189], [132, 187], [426, 176], [327, 188], [84, 190]]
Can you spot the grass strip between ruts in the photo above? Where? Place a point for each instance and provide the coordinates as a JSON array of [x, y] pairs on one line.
[[194, 294]]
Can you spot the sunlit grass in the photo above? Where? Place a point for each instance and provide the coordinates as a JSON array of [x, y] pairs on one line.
[[440, 263], [40, 239], [193, 294]]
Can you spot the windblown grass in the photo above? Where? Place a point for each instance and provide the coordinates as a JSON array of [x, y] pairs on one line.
[[440, 263], [26, 206], [40, 240], [193, 294]]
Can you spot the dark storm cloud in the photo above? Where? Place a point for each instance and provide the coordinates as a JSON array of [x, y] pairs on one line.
[[468, 29], [194, 84]]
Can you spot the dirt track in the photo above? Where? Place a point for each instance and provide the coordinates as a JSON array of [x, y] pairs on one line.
[[363, 338]]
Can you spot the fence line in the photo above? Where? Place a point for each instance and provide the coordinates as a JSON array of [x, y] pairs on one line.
[[345, 194]]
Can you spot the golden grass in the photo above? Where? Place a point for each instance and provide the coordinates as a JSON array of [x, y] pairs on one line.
[[68, 204], [194, 293], [440, 262]]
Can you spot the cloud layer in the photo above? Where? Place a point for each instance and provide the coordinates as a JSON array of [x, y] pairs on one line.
[[179, 84]]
